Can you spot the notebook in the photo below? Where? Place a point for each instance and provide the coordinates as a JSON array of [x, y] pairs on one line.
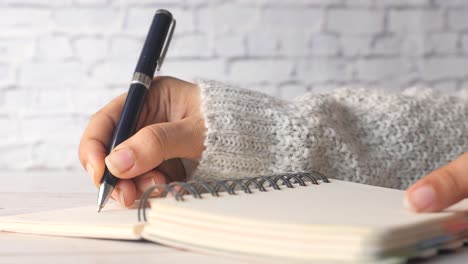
[[299, 218]]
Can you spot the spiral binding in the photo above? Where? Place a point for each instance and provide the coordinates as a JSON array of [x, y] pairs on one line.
[[196, 189]]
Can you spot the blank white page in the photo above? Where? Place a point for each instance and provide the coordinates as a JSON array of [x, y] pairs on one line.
[[337, 203], [112, 222]]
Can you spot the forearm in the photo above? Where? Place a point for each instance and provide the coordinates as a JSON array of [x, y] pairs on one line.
[[358, 135]]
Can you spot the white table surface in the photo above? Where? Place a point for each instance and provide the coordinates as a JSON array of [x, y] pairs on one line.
[[20, 248]]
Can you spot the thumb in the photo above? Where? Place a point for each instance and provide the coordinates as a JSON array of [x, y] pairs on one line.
[[441, 188], [156, 143]]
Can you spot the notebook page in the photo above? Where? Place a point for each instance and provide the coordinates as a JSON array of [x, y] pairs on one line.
[[329, 204], [113, 222]]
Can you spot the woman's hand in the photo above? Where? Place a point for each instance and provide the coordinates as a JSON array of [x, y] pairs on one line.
[[441, 188], [170, 127]]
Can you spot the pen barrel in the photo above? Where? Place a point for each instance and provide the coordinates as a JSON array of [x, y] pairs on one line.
[[130, 114], [128, 121], [154, 43]]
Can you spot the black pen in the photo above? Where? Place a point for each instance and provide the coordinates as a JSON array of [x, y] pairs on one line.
[[151, 58]]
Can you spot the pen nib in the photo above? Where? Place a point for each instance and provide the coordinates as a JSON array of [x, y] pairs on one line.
[[99, 210]]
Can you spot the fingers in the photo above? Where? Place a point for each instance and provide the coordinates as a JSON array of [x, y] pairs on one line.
[[156, 143], [441, 188], [92, 149], [148, 180], [125, 192]]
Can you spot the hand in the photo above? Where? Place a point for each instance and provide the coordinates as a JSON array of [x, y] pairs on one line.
[[170, 127], [441, 188]]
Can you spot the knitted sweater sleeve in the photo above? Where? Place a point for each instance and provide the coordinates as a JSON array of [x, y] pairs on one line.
[[367, 136]]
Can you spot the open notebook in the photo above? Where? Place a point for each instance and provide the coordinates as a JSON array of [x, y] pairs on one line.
[[336, 221]]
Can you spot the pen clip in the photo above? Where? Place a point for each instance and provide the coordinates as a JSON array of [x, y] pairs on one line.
[[166, 44]]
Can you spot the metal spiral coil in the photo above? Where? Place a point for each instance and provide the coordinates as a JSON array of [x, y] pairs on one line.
[[196, 189]]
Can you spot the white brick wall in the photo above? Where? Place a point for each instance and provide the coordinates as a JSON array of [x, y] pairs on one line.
[[61, 60]]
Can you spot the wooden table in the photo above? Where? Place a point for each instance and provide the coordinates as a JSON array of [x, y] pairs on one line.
[[19, 248]]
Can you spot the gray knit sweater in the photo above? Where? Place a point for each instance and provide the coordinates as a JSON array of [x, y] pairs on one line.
[[366, 136]]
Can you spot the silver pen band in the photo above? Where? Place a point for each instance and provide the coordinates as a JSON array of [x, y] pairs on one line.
[[141, 78]]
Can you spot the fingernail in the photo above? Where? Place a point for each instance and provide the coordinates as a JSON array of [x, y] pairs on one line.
[[90, 170], [421, 198], [122, 199], [148, 183], [120, 160]]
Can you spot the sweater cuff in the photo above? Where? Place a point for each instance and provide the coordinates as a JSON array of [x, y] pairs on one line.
[[240, 132]]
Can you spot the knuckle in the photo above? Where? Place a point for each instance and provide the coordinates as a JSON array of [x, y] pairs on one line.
[[95, 115], [451, 182], [159, 137], [457, 180]]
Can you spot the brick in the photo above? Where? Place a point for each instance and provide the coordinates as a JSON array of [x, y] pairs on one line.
[[324, 70], [292, 90], [49, 101], [403, 3], [294, 43], [54, 48], [24, 17], [381, 69], [90, 2], [283, 43], [325, 45], [87, 19], [444, 43], [355, 45], [229, 45], [15, 156], [262, 43], [163, 3], [189, 70], [139, 19], [55, 155], [360, 3], [396, 84], [39, 3], [443, 68], [386, 46], [191, 46], [303, 3], [63, 129], [222, 19], [85, 102], [291, 19], [9, 131], [457, 19], [354, 22], [126, 48], [91, 49], [12, 98], [5, 72], [266, 70], [113, 72], [420, 20], [52, 73], [16, 50], [451, 3], [414, 45], [464, 44]]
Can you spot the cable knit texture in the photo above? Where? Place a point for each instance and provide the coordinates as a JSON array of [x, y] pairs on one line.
[[361, 135]]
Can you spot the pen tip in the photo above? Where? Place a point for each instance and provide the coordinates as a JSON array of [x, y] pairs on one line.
[[99, 209]]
